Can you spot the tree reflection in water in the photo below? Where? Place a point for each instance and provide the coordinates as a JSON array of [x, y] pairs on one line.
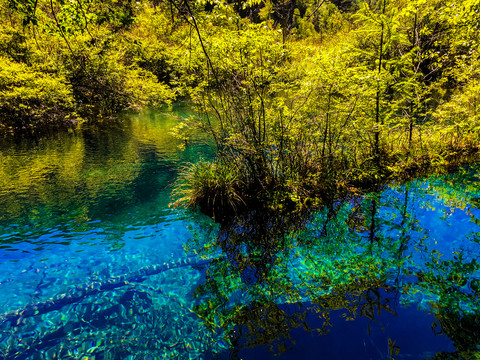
[[359, 258], [317, 262]]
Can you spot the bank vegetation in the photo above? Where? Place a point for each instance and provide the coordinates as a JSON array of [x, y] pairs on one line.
[[303, 99]]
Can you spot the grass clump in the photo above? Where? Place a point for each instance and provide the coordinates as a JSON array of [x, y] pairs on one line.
[[213, 187]]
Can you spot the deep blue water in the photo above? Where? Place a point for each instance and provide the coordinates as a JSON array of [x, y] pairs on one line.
[[84, 208]]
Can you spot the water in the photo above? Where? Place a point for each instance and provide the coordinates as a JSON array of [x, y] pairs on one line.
[[392, 275]]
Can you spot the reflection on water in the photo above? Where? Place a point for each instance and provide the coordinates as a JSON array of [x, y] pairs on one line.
[[391, 275], [85, 179], [385, 261]]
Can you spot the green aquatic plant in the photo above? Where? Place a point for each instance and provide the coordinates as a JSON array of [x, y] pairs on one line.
[[110, 326]]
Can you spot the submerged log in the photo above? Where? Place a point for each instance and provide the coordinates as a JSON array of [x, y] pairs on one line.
[[50, 339], [75, 295]]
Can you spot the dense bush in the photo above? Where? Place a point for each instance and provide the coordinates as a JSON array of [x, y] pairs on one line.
[[64, 61], [103, 84], [302, 116], [31, 98]]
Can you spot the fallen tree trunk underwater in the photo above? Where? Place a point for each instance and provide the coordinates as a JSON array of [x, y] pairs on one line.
[[77, 294]]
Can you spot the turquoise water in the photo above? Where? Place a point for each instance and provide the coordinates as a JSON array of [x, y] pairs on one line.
[[389, 275]]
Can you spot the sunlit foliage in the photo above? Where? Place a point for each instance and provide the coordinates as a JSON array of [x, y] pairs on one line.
[[77, 51], [302, 117], [302, 99]]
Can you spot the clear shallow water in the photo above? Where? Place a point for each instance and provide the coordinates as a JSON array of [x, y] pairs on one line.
[[79, 210]]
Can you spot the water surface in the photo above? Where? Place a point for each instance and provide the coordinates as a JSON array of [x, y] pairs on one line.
[[388, 275]]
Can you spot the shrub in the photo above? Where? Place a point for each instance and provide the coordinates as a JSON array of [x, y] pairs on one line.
[[13, 45], [104, 82], [31, 98]]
